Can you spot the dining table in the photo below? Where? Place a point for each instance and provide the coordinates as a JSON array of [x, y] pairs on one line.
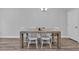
[[56, 32]]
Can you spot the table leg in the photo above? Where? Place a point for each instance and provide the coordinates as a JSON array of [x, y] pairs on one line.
[[59, 40], [26, 39], [22, 40]]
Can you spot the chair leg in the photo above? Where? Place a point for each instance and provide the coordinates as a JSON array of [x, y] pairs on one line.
[[50, 45], [28, 45], [36, 44], [42, 45]]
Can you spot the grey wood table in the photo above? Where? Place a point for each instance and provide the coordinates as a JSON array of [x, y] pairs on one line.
[[58, 33]]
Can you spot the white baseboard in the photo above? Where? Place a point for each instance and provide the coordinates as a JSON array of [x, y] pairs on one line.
[[65, 36], [25, 41], [19, 36], [70, 38], [9, 36]]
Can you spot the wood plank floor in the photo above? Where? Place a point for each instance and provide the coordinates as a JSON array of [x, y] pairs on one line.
[[11, 44]]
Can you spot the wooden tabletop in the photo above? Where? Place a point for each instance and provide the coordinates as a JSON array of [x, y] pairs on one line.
[[46, 31]]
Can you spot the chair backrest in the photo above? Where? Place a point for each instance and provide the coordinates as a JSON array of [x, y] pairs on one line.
[[45, 35], [33, 35]]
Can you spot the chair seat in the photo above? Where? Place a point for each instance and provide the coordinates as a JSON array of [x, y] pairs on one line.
[[45, 38], [32, 38]]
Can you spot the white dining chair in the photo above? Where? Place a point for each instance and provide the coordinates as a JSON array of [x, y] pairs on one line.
[[33, 39], [46, 38]]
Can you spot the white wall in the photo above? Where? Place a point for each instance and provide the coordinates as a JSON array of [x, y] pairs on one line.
[[14, 19], [0, 22], [73, 24]]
